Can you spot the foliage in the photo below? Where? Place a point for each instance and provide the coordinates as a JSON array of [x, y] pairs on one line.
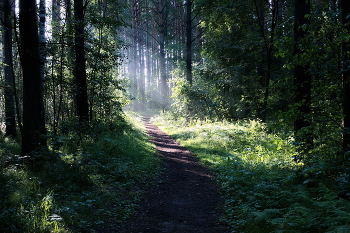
[[93, 186], [103, 49], [264, 190], [230, 78], [195, 101]]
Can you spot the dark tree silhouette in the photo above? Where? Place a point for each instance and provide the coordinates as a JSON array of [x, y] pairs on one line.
[[345, 13], [33, 108], [80, 71], [8, 70], [189, 41], [302, 78]]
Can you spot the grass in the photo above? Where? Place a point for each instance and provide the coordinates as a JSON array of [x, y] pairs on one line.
[[92, 184], [264, 190]]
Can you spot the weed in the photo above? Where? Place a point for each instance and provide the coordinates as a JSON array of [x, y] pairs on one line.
[[264, 190], [94, 182]]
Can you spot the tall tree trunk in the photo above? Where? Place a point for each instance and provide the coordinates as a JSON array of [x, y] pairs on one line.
[[302, 78], [33, 108], [262, 72], [42, 41], [133, 55], [189, 41], [141, 42], [148, 59], [345, 13], [80, 71], [57, 96], [142, 77], [9, 91], [269, 40], [56, 18], [154, 63], [69, 32], [162, 65]]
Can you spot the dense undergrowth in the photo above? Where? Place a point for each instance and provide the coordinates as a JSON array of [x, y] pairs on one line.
[[264, 189], [91, 184]]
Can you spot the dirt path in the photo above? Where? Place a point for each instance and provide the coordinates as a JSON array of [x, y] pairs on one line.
[[185, 200]]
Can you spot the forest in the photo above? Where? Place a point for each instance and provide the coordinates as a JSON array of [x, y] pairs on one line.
[[258, 90]]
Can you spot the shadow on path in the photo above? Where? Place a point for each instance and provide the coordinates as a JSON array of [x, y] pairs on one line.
[[185, 199]]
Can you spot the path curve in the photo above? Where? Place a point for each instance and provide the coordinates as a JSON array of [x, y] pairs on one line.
[[185, 200]]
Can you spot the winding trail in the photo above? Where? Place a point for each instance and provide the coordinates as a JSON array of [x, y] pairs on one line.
[[185, 199]]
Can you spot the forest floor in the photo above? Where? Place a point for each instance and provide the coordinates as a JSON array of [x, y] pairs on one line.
[[185, 198]]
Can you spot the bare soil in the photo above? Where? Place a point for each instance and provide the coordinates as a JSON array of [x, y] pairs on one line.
[[185, 199]]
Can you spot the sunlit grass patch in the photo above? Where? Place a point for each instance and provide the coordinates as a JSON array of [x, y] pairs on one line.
[[264, 189], [247, 140]]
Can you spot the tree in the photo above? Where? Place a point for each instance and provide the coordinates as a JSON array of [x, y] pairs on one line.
[[33, 109], [162, 14], [268, 37], [302, 76], [42, 39], [80, 71], [345, 20], [189, 40], [9, 91], [135, 11]]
